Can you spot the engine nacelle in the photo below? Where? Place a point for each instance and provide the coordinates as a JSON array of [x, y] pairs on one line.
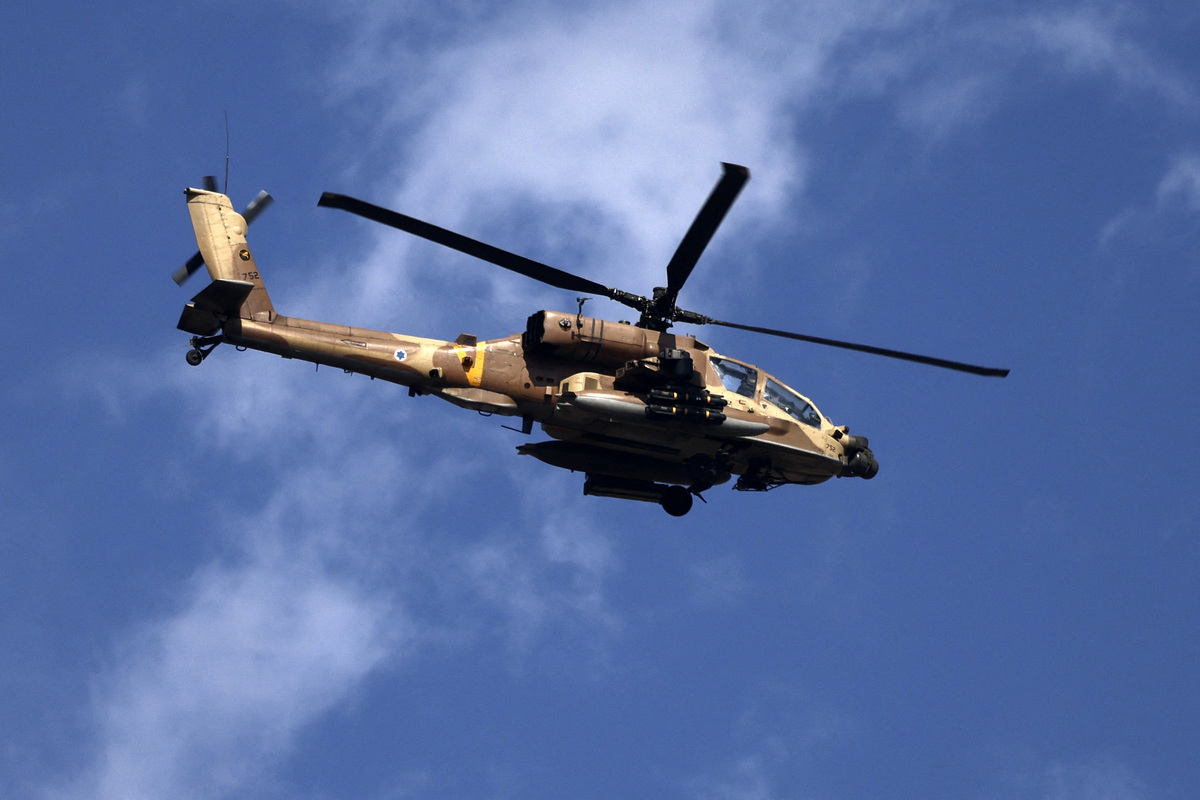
[[596, 341]]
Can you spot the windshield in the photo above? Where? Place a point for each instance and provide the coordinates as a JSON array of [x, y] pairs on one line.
[[736, 377], [796, 406]]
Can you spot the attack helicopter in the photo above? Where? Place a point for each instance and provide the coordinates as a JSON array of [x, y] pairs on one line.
[[643, 413]]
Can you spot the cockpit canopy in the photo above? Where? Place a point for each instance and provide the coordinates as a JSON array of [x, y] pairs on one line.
[[743, 379], [791, 403], [736, 377]]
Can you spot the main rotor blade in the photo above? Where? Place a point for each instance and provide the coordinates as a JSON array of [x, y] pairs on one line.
[[733, 178], [257, 206], [473, 247], [992, 372]]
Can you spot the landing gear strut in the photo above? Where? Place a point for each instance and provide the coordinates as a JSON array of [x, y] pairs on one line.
[[201, 347]]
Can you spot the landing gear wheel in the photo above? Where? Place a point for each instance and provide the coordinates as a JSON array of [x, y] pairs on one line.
[[676, 500], [201, 347]]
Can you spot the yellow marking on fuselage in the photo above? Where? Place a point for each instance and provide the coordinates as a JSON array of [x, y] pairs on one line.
[[475, 370]]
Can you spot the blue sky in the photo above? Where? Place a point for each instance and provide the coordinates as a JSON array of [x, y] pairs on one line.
[[254, 579]]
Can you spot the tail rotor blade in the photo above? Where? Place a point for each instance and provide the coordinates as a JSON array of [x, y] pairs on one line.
[[194, 263], [258, 205]]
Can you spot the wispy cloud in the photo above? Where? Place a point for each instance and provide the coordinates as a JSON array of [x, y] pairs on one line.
[[197, 702], [553, 581], [781, 735], [592, 136], [1181, 185], [607, 122], [1101, 39], [1176, 199], [748, 778], [319, 566], [614, 115], [718, 581], [1099, 778]]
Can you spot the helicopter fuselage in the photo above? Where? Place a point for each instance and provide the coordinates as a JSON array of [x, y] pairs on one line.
[[634, 409], [644, 413]]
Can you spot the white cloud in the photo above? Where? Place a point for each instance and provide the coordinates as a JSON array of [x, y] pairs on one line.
[[613, 116], [747, 779], [198, 702], [943, 105], [554, 582], [133, 101], [945, 69], [1098, 39], [592, 136], [1096, 780], [717, 582], [781, 733], [309, 600], [1181, 184], [1177, 192]]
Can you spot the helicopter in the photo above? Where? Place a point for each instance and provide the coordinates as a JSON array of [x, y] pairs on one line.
[[645, 414]]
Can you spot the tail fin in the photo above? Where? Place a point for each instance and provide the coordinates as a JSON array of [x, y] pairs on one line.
[[221, 234]]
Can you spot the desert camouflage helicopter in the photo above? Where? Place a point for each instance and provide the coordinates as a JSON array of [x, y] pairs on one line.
[[645, 414]]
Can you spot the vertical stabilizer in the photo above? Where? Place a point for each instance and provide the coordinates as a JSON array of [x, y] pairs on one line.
[[221, 234]]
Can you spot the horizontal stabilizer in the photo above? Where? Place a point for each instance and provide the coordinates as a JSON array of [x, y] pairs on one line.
[[208, 310], [223, 296]]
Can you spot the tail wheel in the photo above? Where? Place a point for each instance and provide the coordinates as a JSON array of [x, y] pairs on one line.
[[194, 357], [676, 500]]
